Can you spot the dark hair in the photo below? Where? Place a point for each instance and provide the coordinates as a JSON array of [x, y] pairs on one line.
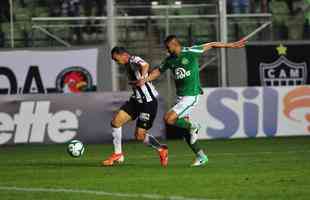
[[169, 38], [118, 50]]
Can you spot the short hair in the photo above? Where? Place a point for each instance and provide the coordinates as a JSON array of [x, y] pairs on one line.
[[118, 50], [169, 38]]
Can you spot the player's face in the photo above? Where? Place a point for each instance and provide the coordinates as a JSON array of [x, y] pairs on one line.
[[174, 47], [121, 59]]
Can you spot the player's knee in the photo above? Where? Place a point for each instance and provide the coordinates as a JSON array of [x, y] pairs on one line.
[[118, 120], [170, 120], [140, 135], [116, 123]]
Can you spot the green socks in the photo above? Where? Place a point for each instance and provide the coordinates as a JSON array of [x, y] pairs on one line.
[[194, 147], [182, 123], [187, 125]]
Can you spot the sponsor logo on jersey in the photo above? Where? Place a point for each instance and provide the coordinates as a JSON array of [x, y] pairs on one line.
[[144, 117], [181, 73], [283, 72], [34, 123]]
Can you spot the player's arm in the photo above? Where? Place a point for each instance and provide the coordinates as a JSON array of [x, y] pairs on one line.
[[153, 75], [238, 44], [144, 69]]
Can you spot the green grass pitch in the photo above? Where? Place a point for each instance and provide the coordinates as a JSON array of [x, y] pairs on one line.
[[247, 169]]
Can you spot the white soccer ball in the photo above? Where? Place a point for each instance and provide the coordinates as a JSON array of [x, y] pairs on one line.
[[75, 148]]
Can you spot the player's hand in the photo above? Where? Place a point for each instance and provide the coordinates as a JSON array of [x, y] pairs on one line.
[[240, 44], [140, 82]]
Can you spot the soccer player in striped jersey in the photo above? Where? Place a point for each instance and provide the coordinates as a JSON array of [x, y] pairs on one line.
[[183, 62], [142, 106]]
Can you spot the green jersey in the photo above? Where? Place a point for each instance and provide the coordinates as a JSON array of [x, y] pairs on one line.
[[185, 68]]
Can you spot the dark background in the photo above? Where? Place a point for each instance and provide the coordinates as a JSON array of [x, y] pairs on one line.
[[257, 54]]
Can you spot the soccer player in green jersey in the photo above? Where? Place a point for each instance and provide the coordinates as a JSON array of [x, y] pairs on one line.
[[183, 62]]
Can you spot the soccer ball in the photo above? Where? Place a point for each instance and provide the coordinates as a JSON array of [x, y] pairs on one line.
[[75, 148]]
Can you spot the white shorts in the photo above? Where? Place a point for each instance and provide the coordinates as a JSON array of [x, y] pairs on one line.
[[184, 105]]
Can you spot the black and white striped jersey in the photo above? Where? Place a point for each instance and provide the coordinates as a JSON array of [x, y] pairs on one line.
[[145, 93]]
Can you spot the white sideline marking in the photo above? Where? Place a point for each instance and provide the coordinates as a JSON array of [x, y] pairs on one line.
[[99, 193]]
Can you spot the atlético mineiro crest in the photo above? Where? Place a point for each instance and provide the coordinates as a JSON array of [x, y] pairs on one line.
[[283, 72]]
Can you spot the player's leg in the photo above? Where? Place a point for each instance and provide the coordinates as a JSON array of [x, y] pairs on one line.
[[179, 116], [144, 123], [172, 118], [149, 140], [117, 122], [124, 115], [120, 119]]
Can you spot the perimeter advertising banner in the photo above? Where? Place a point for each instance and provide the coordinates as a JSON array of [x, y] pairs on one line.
[[254, 112], [278, 64], [59, 118], [64, 71]]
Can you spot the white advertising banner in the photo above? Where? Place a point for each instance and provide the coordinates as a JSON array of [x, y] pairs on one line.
[[68, 71], [59, 118], [253, 112]]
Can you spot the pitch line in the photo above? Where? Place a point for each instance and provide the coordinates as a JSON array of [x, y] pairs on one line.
[[100, 193]]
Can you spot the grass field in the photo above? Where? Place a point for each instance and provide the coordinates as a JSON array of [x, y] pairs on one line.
[[249, 169]]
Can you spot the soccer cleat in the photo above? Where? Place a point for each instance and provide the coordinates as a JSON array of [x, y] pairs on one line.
[[200, 161], [163, 155], [113, 159], [194, 133]]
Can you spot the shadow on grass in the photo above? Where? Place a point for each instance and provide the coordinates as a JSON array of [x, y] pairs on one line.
[[69, 164]]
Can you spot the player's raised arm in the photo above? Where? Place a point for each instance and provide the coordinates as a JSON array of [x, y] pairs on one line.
[[238, 44]]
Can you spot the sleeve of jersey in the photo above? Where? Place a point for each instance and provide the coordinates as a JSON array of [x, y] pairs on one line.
[[163, 66], [196, 50], [138, 60]]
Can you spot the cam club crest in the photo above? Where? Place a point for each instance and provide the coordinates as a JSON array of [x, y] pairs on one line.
[[283, 72]]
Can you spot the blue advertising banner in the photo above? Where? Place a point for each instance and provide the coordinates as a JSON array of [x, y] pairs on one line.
[[254, 112]]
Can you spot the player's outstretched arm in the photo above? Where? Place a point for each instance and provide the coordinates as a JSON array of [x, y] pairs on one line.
[[238, 44]]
